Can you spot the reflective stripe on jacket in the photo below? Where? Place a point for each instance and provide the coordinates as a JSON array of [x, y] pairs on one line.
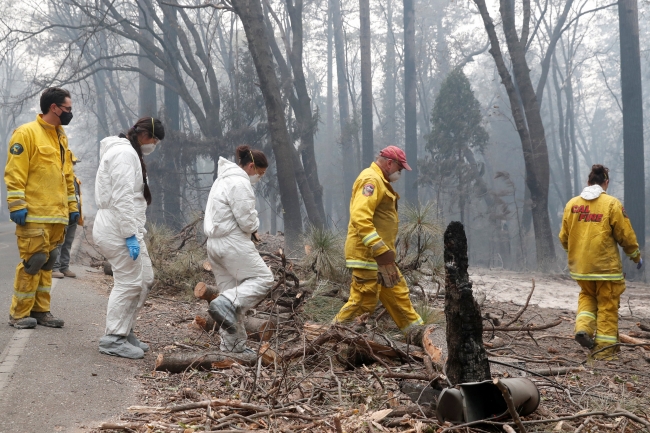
[[37, 176], [373, 219], [591, 230]]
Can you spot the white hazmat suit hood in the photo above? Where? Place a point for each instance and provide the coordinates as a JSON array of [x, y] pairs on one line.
[[119, 195], [240, 273], [592, 192]]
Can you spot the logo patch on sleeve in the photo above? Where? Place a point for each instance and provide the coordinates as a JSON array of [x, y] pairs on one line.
[[16, 149], [368, 189]]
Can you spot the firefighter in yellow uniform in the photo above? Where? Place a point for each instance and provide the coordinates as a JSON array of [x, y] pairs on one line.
[[593, 226], [42, 201], [370, 244]]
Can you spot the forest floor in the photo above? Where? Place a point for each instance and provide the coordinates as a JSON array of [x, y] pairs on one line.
[[325, 387]]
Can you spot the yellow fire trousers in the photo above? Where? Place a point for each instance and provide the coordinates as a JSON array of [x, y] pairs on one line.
[[365, 292], [32, 292], [598, 311]]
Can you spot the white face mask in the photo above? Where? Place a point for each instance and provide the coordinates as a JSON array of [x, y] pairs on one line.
[[147, 148], [394, 177], [254, 178]]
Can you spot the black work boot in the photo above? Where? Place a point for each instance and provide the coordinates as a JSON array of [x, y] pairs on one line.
[[47, 319], [585, 339]]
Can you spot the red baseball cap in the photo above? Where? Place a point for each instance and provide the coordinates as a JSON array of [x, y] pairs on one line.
[[397, 154]]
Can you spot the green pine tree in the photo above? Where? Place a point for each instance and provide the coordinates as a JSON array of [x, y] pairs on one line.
[[456, 129]]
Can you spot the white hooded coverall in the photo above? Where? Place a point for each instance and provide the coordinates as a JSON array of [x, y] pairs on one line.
[[119, 194], [240, 273]]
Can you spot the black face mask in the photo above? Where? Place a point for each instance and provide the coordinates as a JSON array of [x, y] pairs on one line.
[[65, 117]]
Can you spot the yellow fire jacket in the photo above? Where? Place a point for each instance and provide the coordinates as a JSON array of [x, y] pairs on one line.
[[373, 219], [39, 173], [591, 230]]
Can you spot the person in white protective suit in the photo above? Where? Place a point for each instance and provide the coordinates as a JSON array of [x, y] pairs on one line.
[[122, 196], [231, 224]]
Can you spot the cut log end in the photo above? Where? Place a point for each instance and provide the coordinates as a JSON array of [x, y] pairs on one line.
[[205, 292]]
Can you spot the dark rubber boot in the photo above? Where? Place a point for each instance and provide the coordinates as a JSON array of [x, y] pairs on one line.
[[585, 340]]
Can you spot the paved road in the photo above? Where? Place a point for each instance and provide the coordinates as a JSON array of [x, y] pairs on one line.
[[55, 380]]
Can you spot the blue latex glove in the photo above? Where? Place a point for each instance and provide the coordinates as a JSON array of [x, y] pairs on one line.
[[638, 265], [18, 216], [74, 217], [134, 247]]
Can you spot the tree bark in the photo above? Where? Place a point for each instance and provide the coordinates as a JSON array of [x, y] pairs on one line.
[[367, 146], [314, 211], [529, 126], [146, 88], [252, 17], [566, 166], [171, 181], [349, 161], [466, 360], [632, 100], [307, 124], [410, 111], [390, 98]]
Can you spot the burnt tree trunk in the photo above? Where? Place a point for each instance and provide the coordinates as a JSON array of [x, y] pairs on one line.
[[410, 111], [367, 146], [308, 196], [307, 122], [466, 358], [349, 162], [171, 179], [252, 18], [632, 100], [529, 125]]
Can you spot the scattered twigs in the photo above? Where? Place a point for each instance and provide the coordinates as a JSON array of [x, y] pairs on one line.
[[554, 371], [522, 309], [120, 425], [525, 328], [618, 345]]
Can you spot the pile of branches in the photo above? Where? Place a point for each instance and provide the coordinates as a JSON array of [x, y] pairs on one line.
[[304, 376]]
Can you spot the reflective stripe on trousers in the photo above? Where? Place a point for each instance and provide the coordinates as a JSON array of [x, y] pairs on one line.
[[597, 313], [365, 292]]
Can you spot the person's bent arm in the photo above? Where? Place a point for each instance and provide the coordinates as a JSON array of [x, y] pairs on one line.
[[362, 211], [122, 172], [242, 202], [564, 230], [17, 170], [623, 232]]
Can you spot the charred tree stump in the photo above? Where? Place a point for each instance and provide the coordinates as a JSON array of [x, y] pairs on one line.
[[466, 358]]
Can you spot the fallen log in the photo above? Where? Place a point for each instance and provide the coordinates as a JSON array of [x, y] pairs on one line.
[[523, 328], [379, 344], [639, 334], [206, 292], [630, 340], [257, 329], [421, 336], [179, 362]]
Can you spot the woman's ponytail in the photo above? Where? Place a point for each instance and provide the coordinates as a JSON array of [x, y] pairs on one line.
[[154, 128]]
